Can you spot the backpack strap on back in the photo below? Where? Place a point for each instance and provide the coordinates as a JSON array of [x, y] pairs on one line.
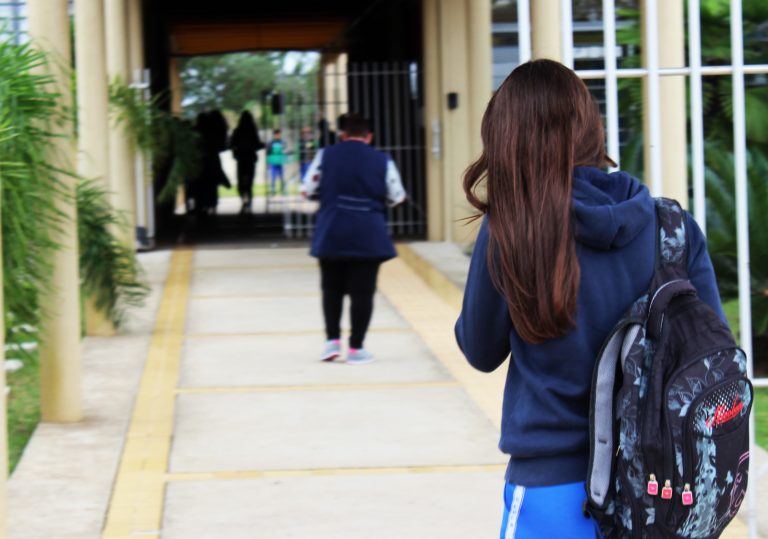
[[671, 243], [671, 276]]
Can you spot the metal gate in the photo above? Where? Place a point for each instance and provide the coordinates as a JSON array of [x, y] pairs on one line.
[[389, 95]]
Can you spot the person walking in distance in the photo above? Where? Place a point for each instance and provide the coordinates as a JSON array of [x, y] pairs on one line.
[[563, 250], [276, 159], [307, 151], [245, 142], [354, 184]]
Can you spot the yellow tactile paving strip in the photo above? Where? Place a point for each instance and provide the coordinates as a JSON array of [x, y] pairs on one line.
[[324, 472], [136, 506], [431, 315], [256, 267], [313, 387], [285, 333]]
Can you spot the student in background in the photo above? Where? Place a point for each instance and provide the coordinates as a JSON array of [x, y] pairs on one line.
[[276, 159], [355, 184], [245, 142], [307, 151]]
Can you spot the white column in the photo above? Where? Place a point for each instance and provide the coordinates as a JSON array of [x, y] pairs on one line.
[[432, 120], [121, 165], [60, 362], [546, 22], [457, 153], [480, 68], [3, 416], [141, 164], [670, 144], [93, 119]]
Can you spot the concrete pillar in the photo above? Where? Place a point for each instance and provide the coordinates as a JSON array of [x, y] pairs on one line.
[[3, 418], [141, 164], [60, 332], [177, 90], [480, 68], [342, 86], [545, 29], [177, 94], [330, 97], [673, 122], [454, 81], [136, 39], [93, 118], [121, 164], [436, 203]]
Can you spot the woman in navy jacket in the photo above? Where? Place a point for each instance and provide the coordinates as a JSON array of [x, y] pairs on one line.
[[563, 250]]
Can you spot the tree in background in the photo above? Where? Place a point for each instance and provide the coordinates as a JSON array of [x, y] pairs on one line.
[[239, 81]]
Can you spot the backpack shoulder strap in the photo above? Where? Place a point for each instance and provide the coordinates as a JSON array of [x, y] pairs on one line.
[[670, 278], [671, 241]]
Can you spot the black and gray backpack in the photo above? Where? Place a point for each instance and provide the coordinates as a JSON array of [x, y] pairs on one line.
[[669, 429]]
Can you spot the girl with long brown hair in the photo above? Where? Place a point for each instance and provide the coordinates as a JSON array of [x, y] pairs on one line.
[[563, 250]]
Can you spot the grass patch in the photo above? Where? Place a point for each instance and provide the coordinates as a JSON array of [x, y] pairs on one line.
[[760, 409], [23, 405], [259, 190], [731, 309]]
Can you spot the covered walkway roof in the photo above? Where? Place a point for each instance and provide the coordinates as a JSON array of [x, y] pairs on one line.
[[204, 27]]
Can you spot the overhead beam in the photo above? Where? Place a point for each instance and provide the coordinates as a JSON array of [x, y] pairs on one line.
[[196, 38]]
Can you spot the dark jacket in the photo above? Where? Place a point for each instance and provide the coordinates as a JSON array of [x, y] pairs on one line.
[[352, 219], [546, 397]]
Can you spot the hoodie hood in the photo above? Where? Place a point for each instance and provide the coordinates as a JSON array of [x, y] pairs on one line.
[[609, 209]]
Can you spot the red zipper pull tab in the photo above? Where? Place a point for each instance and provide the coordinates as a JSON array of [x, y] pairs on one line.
[[687, 495], [653, 485], [666, 492]]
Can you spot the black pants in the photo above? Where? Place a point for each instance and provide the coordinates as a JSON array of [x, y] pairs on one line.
[[246, 170], [353, 277]]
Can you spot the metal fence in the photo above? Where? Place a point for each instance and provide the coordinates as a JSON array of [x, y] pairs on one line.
[[13, 20], [389, 95]]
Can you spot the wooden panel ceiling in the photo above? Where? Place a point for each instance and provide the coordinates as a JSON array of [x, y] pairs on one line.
[[196, 37]]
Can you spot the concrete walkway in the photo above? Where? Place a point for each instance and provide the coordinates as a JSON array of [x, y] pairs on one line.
[[211, 418]]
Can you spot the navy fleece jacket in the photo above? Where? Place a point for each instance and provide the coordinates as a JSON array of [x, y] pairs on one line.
[[546, 399]]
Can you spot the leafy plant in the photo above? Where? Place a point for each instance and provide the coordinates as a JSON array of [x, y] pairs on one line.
[[721, 214], [30, 109], [170, 143], [109, 272], [29, 182]]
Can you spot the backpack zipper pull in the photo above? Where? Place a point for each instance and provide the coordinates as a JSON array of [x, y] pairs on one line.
[[666, 492], [653, 485], [687, 495]]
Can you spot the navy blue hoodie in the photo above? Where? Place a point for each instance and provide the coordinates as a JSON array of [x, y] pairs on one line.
[[546, 398]]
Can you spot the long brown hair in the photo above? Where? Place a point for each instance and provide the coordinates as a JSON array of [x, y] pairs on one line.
[[540, 124]]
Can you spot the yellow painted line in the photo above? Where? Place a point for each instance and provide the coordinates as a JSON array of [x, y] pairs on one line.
[[432, 314], [439, 283], [313, 295], [286, 333], [257, 267], [315, 387], [136, 507], [324, 472]]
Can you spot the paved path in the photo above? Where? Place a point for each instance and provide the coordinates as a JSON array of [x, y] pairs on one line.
[[239, 433], [236, 431]]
